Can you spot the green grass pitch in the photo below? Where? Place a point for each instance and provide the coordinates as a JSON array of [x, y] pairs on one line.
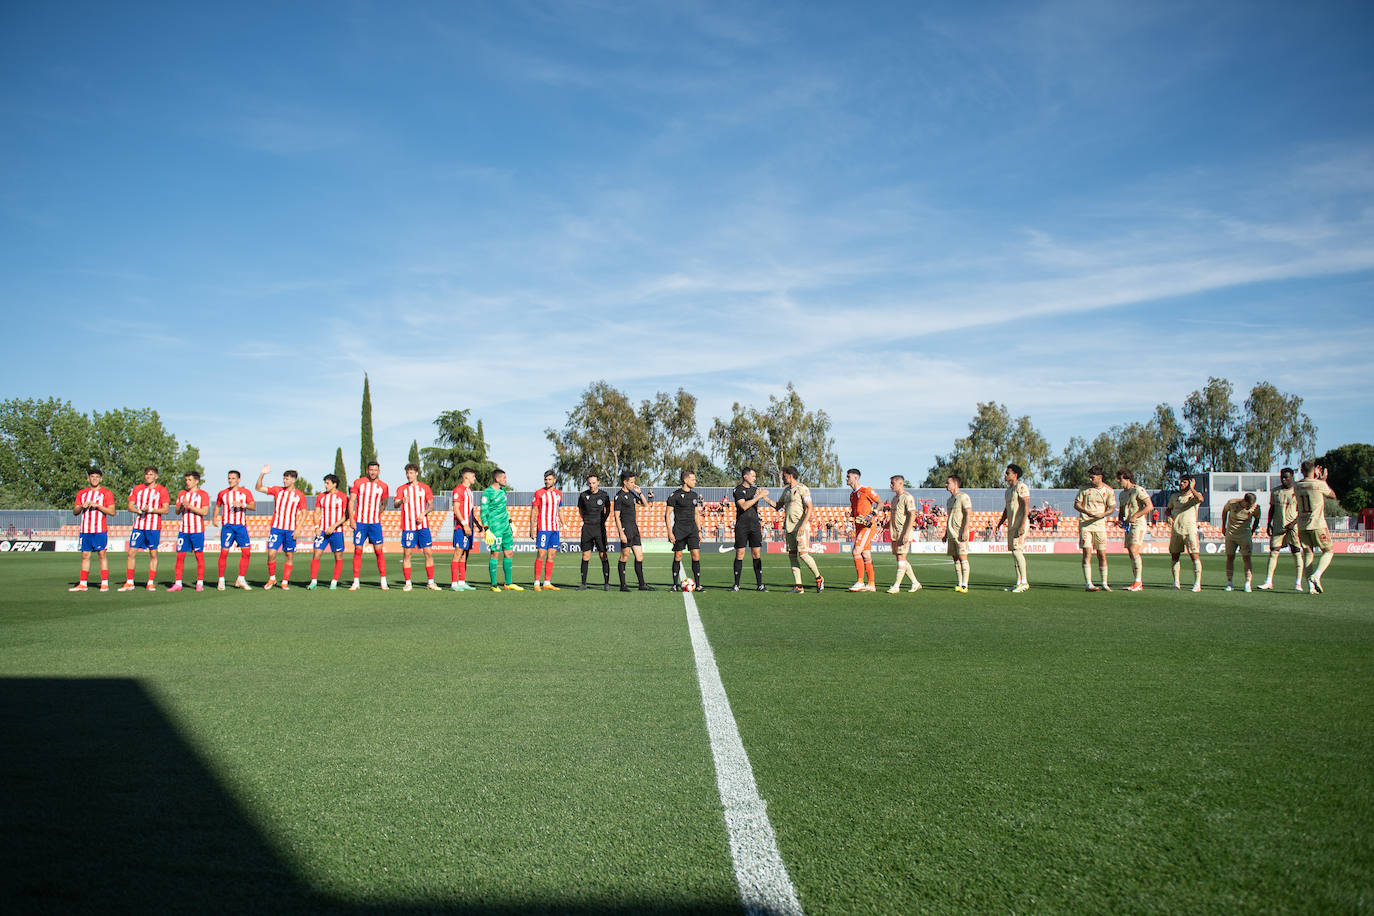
[[1056, 751]]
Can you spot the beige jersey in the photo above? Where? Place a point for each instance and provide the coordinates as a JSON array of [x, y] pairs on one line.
[[1283, 508], [1184, 512], [1133, 500], [793, 503], [1096, 501], [1016, 515], [1240, 518], [959, 507], [903, 507], [1312, 495]]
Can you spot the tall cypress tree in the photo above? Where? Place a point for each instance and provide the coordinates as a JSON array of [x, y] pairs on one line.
[[414, 456], [339, 471], [368, 453]]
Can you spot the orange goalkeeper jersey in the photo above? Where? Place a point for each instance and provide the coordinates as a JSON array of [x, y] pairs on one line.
[[863, 501]]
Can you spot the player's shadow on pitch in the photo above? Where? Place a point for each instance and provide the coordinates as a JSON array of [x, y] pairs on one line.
[[105, 809]]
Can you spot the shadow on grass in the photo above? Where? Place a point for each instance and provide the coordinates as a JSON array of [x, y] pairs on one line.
[[104, 808]]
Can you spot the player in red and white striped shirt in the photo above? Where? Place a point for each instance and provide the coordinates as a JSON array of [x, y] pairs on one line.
[[231, 511], [331, 516], [414, 499], [285, 516], [95, 505], [193, 505], [463, 502], [544, 530], [150, 501], [366, 498]]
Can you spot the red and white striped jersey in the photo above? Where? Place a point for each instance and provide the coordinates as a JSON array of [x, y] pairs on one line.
[[370, 494], [462, 506], [415, 499], [94, 521], [288, 505], [191, 523], [233, 503], [545, 507], [330, 509], [146, 497]]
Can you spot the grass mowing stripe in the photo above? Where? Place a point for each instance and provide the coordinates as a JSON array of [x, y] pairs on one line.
[[764, 885]]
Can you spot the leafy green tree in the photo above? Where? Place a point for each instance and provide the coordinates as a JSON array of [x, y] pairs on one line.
[[785, 433], [1350, 472], [1214, 426], [1131, 445], [673, 434], [44, 452], [1274, 425], [456, 446], [126, 440], [603, 434], [995, 439], [368, 452], [339, 471], [1173, 445]]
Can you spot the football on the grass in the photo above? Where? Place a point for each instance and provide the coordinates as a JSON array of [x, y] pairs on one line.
[[688, 585]]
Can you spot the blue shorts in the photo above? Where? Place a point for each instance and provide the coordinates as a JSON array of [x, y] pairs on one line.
[[461, 539], [420, 537], [94, 542], [334, 542], [546, 540], [144, 540], [281, 539], [191, 543], [364, 533], [234, 536]]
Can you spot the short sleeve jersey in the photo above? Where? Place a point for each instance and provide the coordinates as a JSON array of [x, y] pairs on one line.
[[1312, 495], [1184, 513], [862, 502], [1239, 518], [191, 523], [958, 508], [93, 521], [594, 508], [1283, 508], [1016, 516], [462, 505], [330, 510], [903, 508], [233, 503], [370, 494], [545, 504], [684, 505], [149, 497], [625, 502], [415, 499], [794, 500], [288, 504], [1133, 500], [495, 515], [745, 519], [1096, 501]]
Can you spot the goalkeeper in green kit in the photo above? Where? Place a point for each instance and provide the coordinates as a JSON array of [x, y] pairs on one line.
[[493, 515]]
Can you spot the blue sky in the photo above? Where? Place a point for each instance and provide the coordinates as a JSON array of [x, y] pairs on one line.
[[1079, 209]]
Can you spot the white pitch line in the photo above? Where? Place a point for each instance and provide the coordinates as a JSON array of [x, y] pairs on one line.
[[764, 886]]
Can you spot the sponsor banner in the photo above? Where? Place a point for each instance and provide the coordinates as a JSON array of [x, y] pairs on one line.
[[816, 547], [20, 545]]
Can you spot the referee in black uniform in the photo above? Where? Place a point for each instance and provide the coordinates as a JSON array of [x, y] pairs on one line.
[[595, 507], [626, 498], [748, 529], [684, 523]]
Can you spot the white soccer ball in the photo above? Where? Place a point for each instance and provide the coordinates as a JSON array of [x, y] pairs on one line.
[[688, 585]]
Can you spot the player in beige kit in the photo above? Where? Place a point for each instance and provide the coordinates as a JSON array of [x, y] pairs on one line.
[[1133, 516], [1240, 519], [958, 525], [1095, 502], [1312, 493], [902, 524], [1016, 516], [1283, 530], [795, 503], [1182, 515]]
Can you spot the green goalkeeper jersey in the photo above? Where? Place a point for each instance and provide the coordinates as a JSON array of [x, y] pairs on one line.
[[495, 515]]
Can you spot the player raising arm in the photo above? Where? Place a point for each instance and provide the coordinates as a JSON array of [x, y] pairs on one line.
[[286, 510], [1182, 516]]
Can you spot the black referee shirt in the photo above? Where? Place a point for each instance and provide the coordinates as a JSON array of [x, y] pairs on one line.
[[684, 505], [746, 518], [594, 508]]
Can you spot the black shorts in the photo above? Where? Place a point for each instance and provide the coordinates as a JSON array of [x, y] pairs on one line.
[[689, 541], [629, 538], [748, 537], [593, 539]]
